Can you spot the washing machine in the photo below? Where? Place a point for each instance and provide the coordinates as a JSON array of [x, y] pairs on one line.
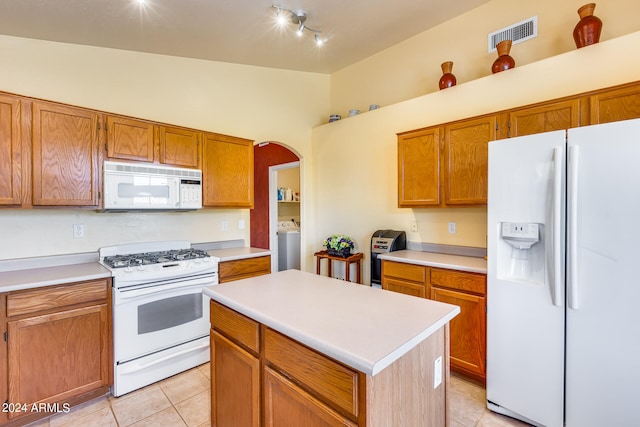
[[288, 245]]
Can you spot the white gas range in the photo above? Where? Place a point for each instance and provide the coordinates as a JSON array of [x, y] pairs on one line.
[[160, 316]]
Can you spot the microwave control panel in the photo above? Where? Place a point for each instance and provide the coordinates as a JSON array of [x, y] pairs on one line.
[[190, 193]]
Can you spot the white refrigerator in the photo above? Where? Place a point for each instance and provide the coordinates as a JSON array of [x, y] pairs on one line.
[[563, 301]]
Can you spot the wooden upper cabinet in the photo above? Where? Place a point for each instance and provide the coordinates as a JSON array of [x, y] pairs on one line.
[[227, 170], [544, 118], [10, 151], [614, 105], [180, 147], [130, 139], [419, 168], [466, 160], [65, 156]]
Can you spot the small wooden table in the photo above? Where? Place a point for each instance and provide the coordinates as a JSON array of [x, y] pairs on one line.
[[355, 258]]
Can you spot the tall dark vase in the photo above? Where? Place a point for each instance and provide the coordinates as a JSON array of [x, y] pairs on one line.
[[447, 79], [587, 30], [504, 61]]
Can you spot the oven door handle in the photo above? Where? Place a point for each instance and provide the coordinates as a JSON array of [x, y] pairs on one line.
[[132, 368], [127, 294]]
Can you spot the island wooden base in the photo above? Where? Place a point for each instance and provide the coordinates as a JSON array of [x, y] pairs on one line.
[[403, 394], [260, 377]]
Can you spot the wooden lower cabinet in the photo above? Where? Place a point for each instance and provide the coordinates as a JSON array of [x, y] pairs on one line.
[[243, 268], [405, 278], [468, 332], [261, 377], [287, 404], [466, 290], [469, 328], [58, 347], [235, 373]]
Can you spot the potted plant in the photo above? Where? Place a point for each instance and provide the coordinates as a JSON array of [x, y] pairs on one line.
[[339, 245]]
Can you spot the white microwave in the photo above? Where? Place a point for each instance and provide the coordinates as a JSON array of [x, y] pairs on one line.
[[135, 186]]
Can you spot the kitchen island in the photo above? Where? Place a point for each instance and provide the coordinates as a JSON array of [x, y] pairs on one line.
[[294, 348]]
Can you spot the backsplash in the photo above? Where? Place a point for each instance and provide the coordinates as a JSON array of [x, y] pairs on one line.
[[26, 233]]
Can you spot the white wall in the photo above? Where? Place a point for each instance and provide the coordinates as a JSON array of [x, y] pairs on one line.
[[355, 159], [354, 189], [29, 233], [262, 104], [412, 68]]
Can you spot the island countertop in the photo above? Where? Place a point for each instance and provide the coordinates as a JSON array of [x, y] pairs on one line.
[[363, 327]]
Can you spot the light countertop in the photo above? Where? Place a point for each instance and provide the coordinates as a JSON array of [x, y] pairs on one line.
[[42, 271], [363, 327], [48, 276], [231, 254], [431, 259]]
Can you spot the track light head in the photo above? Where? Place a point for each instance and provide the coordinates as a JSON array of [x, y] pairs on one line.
[[297, 18], [281, 18]]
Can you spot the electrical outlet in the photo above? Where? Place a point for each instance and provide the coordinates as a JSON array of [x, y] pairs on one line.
[[437, 372], [78, 231], [224, 225], [452, 228], [241, 224], [414, 225]]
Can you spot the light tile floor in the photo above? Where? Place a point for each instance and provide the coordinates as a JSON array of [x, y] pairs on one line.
[[468, 407], [183, 400]]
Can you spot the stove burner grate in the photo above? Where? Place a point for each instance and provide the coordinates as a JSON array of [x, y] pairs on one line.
[[134, 260]]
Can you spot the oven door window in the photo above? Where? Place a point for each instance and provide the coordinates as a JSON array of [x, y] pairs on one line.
[[163, 319], [169, 312]]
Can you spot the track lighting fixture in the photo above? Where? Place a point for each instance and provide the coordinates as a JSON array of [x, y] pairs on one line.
[[299, 19]]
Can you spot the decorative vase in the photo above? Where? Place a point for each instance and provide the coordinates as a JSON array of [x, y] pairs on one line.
[[447, 79], [504, 61], [587, 30], [343, 253]]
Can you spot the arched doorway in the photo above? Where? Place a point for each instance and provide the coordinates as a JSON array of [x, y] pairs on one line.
[[267, 155]]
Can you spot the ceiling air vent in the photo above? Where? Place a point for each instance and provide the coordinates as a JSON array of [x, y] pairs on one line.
[[517, 33]]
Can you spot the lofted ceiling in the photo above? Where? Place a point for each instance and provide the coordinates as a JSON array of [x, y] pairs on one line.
[[237, 31]]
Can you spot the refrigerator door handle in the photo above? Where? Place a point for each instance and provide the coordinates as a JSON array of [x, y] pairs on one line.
[[572, 207], [557, 227]]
